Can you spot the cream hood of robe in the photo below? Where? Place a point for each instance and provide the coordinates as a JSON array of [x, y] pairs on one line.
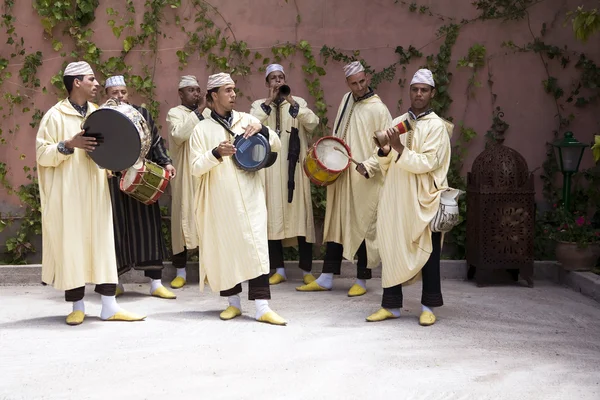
[[182, 121], [410, 198], [351, 213], [77, 224], [230, 208], [288, 220]]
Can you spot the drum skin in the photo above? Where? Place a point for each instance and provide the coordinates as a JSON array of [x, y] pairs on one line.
[[252, 153], [316, 169]]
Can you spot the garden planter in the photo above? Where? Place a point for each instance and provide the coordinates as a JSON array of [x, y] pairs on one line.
[[573, 258]]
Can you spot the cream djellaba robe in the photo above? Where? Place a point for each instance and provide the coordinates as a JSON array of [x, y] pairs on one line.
[[182, 121], [411, 196], [288, 220], [230, 208], [351, 212], [77, 225]]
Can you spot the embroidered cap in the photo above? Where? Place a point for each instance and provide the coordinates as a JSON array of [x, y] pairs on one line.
[[117, 80], [218, 80], [353, 68], [273, 68], [78, 68], [187, 81], [423, 76]]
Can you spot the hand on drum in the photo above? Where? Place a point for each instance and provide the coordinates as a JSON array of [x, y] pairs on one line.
[[252, 129], [226, 149], [82, 142], [171, 170], [360, 168]]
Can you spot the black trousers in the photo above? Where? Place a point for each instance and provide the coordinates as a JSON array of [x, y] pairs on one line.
[[180, 259], [332, 263], [304, 248], [431, 295], [105, 289], [150, 273], [258, 289]]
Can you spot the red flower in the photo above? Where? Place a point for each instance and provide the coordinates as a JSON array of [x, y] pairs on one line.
[[554, 206], [580, 221]]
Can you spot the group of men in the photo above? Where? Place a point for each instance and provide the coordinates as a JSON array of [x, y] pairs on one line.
[[239, 220]]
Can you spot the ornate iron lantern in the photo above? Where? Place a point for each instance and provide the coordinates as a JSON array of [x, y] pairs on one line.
[[569, 152], [500, 211]]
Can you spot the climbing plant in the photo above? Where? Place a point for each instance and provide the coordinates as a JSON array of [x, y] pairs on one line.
[[140, 27]]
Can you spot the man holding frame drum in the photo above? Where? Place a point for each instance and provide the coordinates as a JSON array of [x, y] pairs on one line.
[[351, 212], [289, 203], [77, 226], [139, 241]]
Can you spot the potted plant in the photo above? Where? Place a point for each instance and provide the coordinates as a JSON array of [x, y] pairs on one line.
[[577, 240]]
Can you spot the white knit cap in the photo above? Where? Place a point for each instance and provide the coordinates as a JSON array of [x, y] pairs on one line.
[[273, 68], [353, 68], [218, 80], [187, 81], [423, 76], [78, 68], [117, 80]]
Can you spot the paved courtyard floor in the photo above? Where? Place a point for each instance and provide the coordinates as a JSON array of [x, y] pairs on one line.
[[499, 342]]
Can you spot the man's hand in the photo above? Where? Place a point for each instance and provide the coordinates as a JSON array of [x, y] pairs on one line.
[[252, 129], [394, 136], [171, 169], [225, 149], [201, 104], [86, 143], [360, 168], [272, 95]]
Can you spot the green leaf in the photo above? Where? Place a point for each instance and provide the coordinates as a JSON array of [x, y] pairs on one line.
[[128, 43], [57, 45]]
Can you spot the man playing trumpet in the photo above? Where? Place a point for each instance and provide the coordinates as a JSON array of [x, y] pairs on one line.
[[289, 204]]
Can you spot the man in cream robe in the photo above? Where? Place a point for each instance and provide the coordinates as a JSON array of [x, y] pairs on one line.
[[181, 121], [230, 208], [351, 211], [287, 115], [417, 168], [77, 228]]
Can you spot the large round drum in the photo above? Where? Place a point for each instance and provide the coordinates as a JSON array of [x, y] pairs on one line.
[[326, 160], [146, 184], [126, 137], [253, 153]]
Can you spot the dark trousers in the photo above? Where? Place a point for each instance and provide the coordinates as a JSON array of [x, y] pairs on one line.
[[332, 264], [304, 248], [431, 295], [258, 289], [150, 273], [105, 289], [180, 259]]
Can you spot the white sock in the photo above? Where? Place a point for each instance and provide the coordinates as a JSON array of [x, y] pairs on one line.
[[304, 273], [325, 280], [395, 311], [262, 307], [181, 272], [362, 283], [281, 271], [235, 301], [425, 308], [109, 307], [155, 284], [79, 306]]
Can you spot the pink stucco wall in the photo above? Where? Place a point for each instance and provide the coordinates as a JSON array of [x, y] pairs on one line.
[[375, 28]]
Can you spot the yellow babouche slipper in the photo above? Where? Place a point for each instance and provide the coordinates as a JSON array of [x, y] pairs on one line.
[[119, 291], [178, 282], [164, 293], [126, 316], [271, 317], [312, 287], [75, 318], [356, 290], [427, 318], [381, 315], [230, 313], [276, 279], [308, 278]]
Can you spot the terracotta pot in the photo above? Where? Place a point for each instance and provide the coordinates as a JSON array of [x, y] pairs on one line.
[[573, 258]]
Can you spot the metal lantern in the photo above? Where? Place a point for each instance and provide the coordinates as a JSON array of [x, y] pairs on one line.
[[569, 152], [500, 212]]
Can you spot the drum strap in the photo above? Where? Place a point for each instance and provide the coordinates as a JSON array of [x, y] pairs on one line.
[[342, 114], [219, 120]]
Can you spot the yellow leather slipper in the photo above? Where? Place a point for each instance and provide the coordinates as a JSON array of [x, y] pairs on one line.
[[230, 313], [75, 318], [356, 290], [271, 317], [178, 282], [380, 315], [276, 279], [312, 287], [126, 316], [164, 293], [427, 318]]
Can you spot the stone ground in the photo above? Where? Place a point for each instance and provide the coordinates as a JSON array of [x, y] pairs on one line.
[[499, 342]]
